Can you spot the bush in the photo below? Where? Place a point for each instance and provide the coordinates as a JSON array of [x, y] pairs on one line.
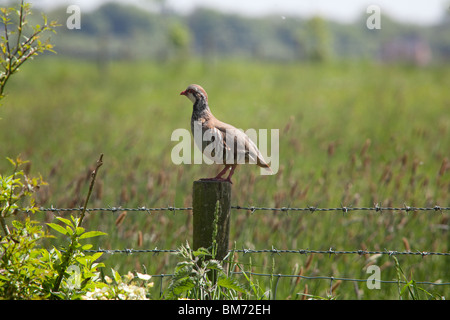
[[28, 271]]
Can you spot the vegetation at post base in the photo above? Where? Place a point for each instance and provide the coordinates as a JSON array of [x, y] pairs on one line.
[[200, 276], [356, 133], [193, 278]]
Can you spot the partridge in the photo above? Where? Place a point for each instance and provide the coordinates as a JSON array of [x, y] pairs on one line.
[[220, 142]]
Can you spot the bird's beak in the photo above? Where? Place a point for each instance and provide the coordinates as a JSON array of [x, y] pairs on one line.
[[183, 93]]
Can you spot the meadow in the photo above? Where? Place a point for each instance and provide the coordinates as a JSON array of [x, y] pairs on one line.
[[351, 134]]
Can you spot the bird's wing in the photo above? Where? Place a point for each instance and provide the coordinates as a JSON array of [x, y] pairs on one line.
[[238, 146], [213, 142]]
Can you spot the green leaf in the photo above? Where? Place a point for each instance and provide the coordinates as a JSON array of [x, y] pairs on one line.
[[58, 228], [229, 283], [9, 159], [91, 234], [214, 265], [98, 265], [95, 256], [17, 224], [75, 220], [183, 268], [200, 252], [79, 231], [66, 221], [82, 261], [58, 253], [69, 230], [86, 246], [183, 285], [116, 275]]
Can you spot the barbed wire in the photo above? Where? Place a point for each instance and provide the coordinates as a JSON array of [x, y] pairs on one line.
[[337, 252], [252, 209], [279, 252], [330, 278], [114, 209], [131, 251], [344, 209]]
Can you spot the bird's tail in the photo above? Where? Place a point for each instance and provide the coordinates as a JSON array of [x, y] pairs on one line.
[[263, 164]]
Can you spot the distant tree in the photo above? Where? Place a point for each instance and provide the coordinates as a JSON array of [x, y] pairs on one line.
[[125, 20], [318, 40], [180, 39]]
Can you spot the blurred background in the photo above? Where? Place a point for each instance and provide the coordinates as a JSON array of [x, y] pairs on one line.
[[411, 31]]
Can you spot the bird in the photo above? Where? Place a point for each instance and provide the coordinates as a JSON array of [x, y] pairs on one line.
[[227, 145]]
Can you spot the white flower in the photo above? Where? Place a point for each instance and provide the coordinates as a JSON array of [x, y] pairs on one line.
[[145, 277]]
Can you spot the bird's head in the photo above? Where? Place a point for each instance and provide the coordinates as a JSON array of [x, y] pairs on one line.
[[194, 93]]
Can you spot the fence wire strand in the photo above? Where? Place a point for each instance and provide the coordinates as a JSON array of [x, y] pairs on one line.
[[330, 278], [330, 251], [252, 209]]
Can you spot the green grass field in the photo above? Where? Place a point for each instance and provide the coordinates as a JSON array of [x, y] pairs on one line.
[[351, 134]]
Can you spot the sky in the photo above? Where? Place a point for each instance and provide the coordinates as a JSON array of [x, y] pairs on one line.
[[423, 12]]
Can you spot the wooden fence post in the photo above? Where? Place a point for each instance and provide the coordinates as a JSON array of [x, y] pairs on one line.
[[205, 196]]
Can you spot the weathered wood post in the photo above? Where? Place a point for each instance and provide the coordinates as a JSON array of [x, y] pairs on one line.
[[205, 196]]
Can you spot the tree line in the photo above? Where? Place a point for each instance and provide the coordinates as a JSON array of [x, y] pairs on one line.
[[118, 31]]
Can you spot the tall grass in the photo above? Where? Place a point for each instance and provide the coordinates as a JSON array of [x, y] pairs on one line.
[[354, 134]]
